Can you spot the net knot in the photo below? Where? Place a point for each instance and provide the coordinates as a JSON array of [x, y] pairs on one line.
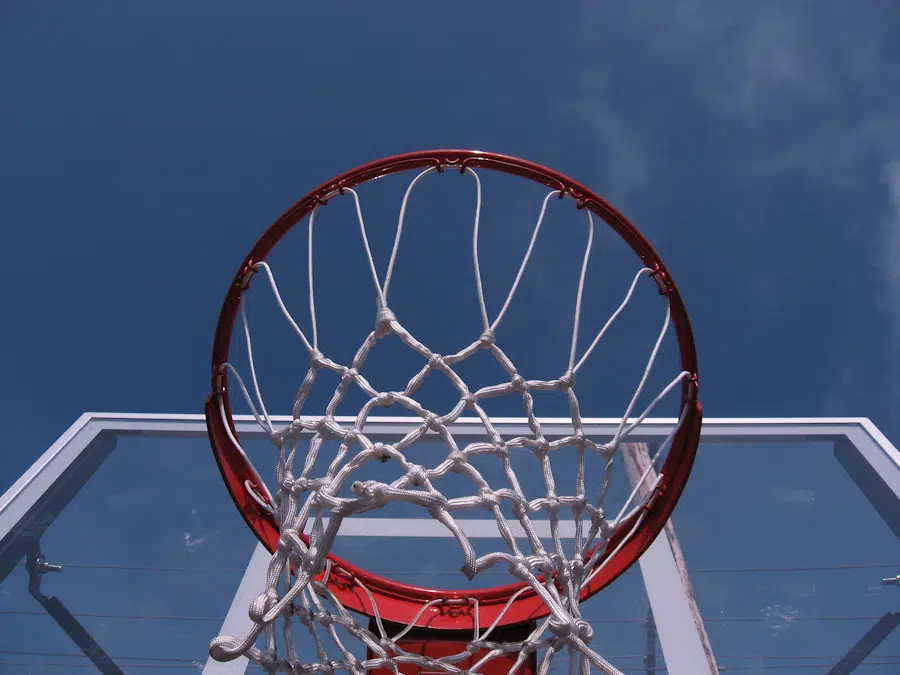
[[573, 628], [520, 508], [552, 504], [316, 359], [268, 660], [369, 490], [541, 447], [385, 399], [488, 498], [324, 496], [579, 440], [349, 375], [323, 428], [519, 569], [433, 422], [500, 449], [298, 486], [579, 505], [382, 451], [486, 339], [518, 384], [383, 319], [458, 460], [607, 451], [417, 475], [475, 646], [567, 381]]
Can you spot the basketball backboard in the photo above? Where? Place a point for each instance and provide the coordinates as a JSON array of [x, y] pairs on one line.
[[789, 528]]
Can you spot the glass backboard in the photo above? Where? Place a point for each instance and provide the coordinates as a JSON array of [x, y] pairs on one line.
[[121, 551]]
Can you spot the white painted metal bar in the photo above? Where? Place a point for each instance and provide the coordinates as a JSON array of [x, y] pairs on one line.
[[878, 451], [679, 639], [25, 492], [772, 429]]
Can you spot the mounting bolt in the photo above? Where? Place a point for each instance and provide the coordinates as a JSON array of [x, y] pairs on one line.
[[41, 566], [243, 279], [891, 581], [663, 282]]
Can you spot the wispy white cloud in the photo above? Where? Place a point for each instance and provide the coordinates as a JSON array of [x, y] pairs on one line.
[[811, 98], [794, 496], [740, 59], [195, 542], [773, 94], [749, 66], [841, 153], [888, 256], [767, 60], [623, 160], [849, 375]]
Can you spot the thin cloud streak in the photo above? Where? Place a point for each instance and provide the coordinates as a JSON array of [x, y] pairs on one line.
[[889, 262]]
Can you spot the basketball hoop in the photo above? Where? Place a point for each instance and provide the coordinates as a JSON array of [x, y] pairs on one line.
[[549, 588]]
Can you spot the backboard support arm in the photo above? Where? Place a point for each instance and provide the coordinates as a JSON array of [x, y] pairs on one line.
[[37, 567]]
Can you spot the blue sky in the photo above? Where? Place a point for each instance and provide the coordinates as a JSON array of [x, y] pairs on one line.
[[145, 148]]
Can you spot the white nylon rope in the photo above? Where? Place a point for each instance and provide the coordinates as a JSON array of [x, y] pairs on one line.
[[291, 591]]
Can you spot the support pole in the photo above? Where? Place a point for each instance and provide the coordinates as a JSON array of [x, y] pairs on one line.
[[636, 458]]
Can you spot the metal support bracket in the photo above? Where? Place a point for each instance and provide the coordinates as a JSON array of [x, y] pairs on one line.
[[37, 566]]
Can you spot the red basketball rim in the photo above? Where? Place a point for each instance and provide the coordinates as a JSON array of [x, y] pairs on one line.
[[399, 602]]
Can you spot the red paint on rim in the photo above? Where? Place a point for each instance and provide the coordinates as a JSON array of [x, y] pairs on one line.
[[399, 602]]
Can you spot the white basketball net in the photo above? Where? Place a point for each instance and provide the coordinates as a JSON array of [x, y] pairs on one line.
[[304, 502]]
